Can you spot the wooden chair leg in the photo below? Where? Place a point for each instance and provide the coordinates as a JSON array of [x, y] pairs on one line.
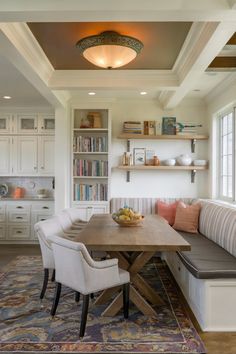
[[77, 296], [126, 300], [45, 283], [56, 299], [84, 315], [53, 275]]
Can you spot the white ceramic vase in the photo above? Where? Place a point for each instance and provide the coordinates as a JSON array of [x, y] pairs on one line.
[[184, 160]]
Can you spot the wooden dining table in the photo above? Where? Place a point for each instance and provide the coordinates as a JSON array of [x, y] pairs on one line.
[[134, 247]]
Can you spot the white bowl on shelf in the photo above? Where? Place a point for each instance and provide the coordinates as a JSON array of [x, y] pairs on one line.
[[169, 162], [184, 160], [200, 162]]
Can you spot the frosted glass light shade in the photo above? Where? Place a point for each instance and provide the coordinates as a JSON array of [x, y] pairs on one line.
[[109, 49], [109, 56]]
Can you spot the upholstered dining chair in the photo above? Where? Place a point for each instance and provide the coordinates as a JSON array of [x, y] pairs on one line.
[[43, 230], [67, 226], [74, 215], [77, 270]]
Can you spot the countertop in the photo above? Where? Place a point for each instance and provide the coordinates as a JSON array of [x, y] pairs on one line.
[[49, 199]]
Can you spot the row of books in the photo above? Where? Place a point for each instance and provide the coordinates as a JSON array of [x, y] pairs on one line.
[[90, 192], [90, 167], [132, 127], [90, 144]]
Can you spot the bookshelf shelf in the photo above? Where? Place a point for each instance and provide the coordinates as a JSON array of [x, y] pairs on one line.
[[90, 130], [90, 153]]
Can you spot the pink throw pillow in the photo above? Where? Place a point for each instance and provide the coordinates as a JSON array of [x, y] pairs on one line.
[[186, 218], [167, 211]]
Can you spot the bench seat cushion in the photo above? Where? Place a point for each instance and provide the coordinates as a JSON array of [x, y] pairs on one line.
[[207, 260]]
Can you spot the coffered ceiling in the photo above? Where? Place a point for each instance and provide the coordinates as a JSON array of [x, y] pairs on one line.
[[183, 41]]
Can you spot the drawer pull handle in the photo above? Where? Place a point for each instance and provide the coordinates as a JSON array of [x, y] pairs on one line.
[[19, 217], [42, 219], [19, 207], [19, 232], [45, 207]]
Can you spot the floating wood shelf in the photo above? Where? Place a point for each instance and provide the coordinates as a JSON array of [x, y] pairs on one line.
[[192, 169], [163, 137]]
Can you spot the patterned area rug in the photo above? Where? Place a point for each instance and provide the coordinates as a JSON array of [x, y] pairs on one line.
[[26, 325]]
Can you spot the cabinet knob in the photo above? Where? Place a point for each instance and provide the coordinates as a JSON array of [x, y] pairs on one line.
[[35, 128], [19, 232], [42, 127], [35, 168]]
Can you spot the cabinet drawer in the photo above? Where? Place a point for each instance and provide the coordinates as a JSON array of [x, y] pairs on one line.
[[2, 232], [36, 217], [18, 232], [2, 208], [18, 217], [18, 206], [46, 206]]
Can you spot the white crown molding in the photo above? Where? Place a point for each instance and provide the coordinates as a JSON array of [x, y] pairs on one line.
[[143, 79], [123, 10], [18, 44], [221, 88]]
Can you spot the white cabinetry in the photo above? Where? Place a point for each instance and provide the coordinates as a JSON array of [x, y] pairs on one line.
[[46, 155], [6, 155], [27, 123], [90, 162], [17, 219], [27, 155], [6, 124]]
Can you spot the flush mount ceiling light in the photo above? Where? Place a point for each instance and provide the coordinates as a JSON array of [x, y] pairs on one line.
[[109, 49]]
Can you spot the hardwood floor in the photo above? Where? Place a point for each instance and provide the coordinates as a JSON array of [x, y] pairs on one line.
[[216, 343]]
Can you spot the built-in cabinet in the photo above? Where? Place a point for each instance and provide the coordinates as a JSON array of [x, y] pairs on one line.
[[27, 145], [90, 152], [17, 219]]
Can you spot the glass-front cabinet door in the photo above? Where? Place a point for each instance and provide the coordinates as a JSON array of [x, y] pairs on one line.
[[27, 124], [46, 124], [6, 124]]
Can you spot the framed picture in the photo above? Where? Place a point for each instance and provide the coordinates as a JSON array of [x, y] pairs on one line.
[[169, 125], [149, 156], [139, 156]]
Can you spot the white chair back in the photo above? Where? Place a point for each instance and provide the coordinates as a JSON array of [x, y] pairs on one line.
[[77, 270], [64, 220], [74, 215]]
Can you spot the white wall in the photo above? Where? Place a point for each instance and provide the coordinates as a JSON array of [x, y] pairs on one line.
[[158, 183]]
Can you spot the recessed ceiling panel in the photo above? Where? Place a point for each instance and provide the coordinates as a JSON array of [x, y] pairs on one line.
[[162, 42]]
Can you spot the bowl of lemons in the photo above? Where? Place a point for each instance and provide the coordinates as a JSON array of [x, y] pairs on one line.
[[127, 217]]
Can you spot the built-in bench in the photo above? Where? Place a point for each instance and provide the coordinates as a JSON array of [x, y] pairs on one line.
[[207, 273]]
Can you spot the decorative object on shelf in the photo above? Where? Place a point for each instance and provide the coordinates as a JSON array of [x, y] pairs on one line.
[[158, 127], [139, 156], [169, 125], [3, 190], [149, 127], [85, 123], [156, 161], [184, 160], [127, 217], [200, 162], [109, 49], [169, 162], [149, 155], [132, 127], [187, 128], [94, 119]]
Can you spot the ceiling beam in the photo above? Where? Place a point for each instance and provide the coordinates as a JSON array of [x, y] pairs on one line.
[[223, 63], [232, 40], [204, 42], [122, 10], [20, 47]]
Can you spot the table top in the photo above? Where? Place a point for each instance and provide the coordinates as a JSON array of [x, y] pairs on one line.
[[155, 234]]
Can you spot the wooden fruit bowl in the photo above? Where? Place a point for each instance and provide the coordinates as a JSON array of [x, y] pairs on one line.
[[128, 223]]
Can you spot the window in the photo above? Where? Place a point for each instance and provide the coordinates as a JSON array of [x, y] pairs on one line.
[[227, 157]]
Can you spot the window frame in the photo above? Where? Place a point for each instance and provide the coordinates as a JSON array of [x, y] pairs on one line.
[[219, 164]]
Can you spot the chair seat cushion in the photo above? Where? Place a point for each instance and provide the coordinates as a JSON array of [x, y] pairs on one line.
[[207, 260], [124, 276]]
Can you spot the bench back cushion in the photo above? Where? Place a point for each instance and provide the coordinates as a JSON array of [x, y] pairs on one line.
[[143, 205], [218, 223]]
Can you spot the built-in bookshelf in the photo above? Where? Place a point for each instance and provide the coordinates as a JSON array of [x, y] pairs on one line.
[[90, 159]]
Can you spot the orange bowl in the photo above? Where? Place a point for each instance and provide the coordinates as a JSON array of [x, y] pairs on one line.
[[134, 222]]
